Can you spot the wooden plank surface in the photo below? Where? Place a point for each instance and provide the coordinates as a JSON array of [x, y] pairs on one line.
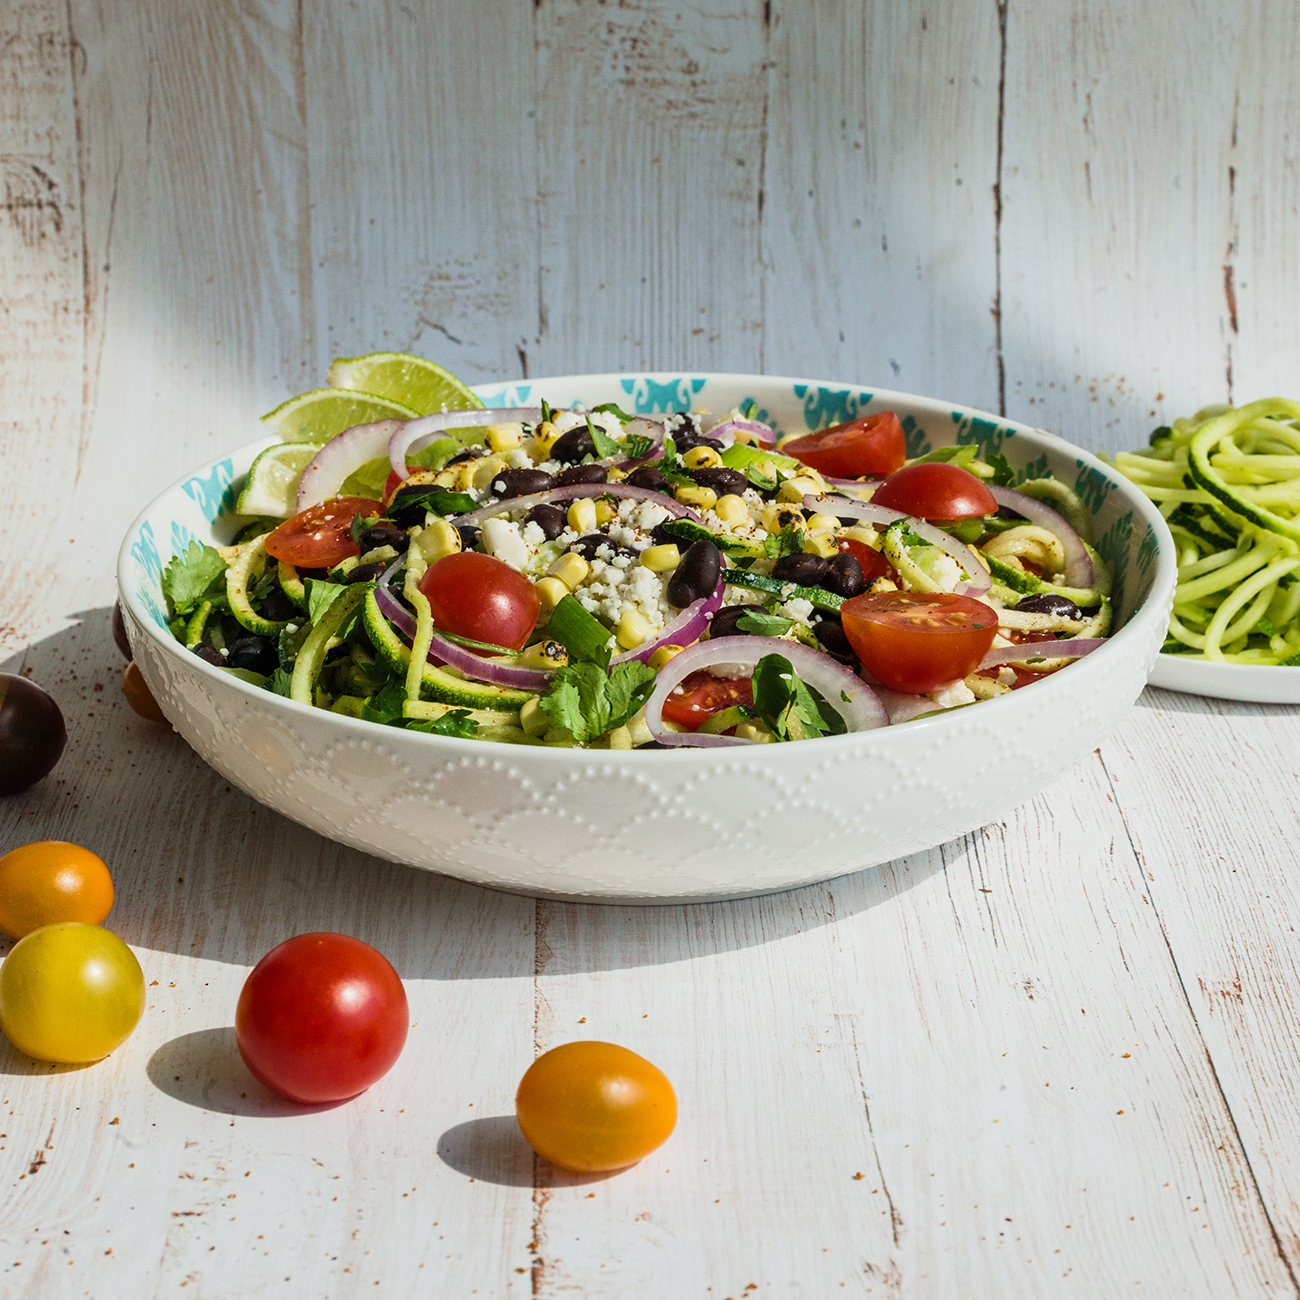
[[1061, 1052]]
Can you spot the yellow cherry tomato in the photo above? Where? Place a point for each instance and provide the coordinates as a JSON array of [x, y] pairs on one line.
[[70, 993], [592, 1106], [52, 881]]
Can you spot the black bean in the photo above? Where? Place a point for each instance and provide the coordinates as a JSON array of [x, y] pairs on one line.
[[831, 637], [378, 535], [569, 448], [685, 439], [460, 457], [576, 474], [409, 505], [119, 631], [209, 654], [650, 478], [722, 481], [468, 536], [725, 620], [276, 606], [550, 519], [660, 535], [844, 576], [587, 545], [255, 653], [696, 576], [806, 570], [364, 573], [1047, 603], [521, 482]]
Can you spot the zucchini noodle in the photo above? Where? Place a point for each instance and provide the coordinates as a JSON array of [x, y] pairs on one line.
[[1227, 481]]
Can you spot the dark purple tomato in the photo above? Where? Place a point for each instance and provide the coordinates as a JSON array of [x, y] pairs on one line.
[[119, 631], [32, 734]]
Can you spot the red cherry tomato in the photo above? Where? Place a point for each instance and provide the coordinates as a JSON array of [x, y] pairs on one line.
[[701, 695], [916, 642], [935, 490], [321, 1018], [481, 597], [320, 536], [874, 564], [873, 444], [395, 480], [591, 1107]]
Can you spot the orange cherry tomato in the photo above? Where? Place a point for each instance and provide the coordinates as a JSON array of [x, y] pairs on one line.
[[591, 1107], [873, 444], [320, 536], [51, 881], [139, 696]]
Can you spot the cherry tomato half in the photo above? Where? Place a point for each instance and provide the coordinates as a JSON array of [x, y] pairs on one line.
[[935, 490], [481, 597], [320, 536], [70, 993], [321, 1017], [51, 881], [917, 642], [139, 696], [32, 733], [874, 565], [591, 1107], [873, 444], [701, 695]]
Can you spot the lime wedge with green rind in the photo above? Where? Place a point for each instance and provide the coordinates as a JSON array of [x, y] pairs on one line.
[[400, 377], [271, 488], [319, 415]]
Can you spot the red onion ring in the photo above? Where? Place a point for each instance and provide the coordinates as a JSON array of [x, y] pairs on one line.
[[1026, 650], [684, 630], [862, 711], [415, 434], [1078, 565], [571, 493], [979, 580], [344, 454], [763, 432], [861, 484]]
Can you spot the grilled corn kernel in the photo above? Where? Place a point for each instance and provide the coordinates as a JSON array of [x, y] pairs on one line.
[[544, 437], [701, 458], [447, 477], [633, 628], [867, 536], [660, 658], [533, 718], [606, 512], [544, 654], [502, 437], [823, 524], [616, 475], [731, 509], [822, 544], [570, 569], [795, 489], [551, 591], [883, 584], [743, 436], [701, 498], [780, 514], [463, 474], [486, 470], [582, 515], [752, 729], [438, 539], [661, 559]]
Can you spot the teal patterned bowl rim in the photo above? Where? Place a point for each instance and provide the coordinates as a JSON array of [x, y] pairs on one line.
[[1129, 532]]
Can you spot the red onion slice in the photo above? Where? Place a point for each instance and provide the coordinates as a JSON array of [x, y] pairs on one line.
[[414, 434], [1078, 565], [1025, 650], [979, 580], [343, 455], [763, 432], [861, 710], [859, 484], [684, 630], [572, 493]]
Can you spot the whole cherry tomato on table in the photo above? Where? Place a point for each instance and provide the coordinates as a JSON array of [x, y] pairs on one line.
[[916, 642], [320, 536], [935, 490], [701, 695], [870, 445], [482, 598], [591, 1107], [321, 1017], [70, 993], [52, 881], [139, 696], [32, 733]]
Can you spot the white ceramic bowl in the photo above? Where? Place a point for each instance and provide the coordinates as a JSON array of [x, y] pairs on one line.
[[646, 826]]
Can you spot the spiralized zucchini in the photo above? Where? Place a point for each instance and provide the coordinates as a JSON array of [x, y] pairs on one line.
[[1227, 480]]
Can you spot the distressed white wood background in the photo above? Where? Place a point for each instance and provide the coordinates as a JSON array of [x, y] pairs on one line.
[[1057, 1057]]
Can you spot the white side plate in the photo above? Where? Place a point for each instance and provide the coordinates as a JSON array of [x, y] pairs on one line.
[[1256, 683]]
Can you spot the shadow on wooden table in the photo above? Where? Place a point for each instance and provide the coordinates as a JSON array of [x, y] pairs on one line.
[[493, 1150], [203, 870]]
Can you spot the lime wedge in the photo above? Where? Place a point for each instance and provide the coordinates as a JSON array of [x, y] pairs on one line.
[[400, 377], [319, 415], [272, 484]]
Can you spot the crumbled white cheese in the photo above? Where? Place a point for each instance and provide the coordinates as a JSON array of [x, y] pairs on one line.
[[798, 609], [947, 697], [501, 539]]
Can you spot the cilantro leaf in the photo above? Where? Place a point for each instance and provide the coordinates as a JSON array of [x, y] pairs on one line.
[[385, 705], [761, 623], [1003, 474], [789, 541], [456, 722], [190, 576], [604, 444], [612, 408], [790, 708], [410, 503], [636, 445], [588, 702], [320, 596], [671, 467], [960, 455], [278, 682]]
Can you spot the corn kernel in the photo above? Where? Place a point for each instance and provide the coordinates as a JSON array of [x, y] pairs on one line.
[[823, 524], [660, 658], [795, 489], [606, 512], [742, 436], [616, 475], [661, 559], [582, 515], [486, 470], [544, 654], [731, 509], [551, 591], [463, 474], [533, 718], [502, 437], [780, 514], [570, 569], [446, 477], [633, 628], [701, 498], [544, 437], [867, 536], [438, 539], [822, 544], [701, 458]]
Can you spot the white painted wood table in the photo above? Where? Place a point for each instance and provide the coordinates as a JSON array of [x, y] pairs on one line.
[[1057, 1057]]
